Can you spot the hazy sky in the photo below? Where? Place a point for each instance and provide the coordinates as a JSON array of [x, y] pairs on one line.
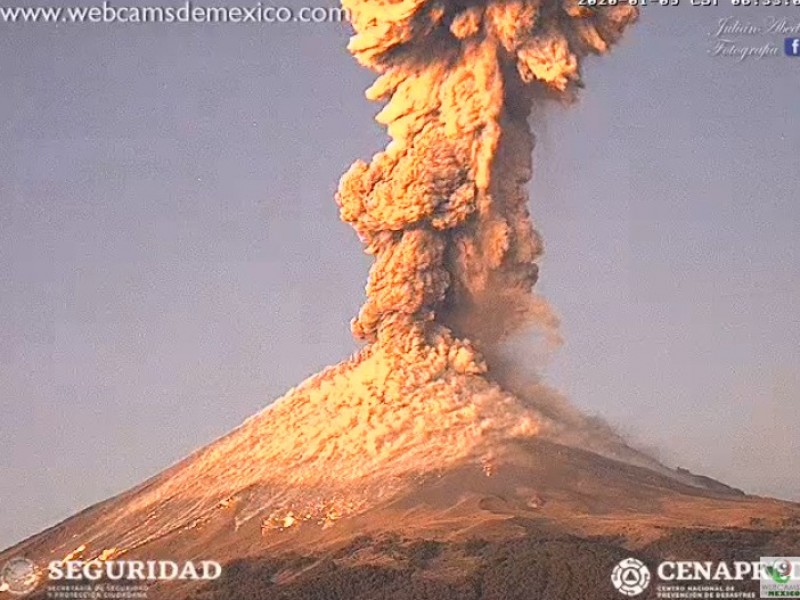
[[171, 259]]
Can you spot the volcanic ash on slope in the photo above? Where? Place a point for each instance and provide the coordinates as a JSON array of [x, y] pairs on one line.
[[345, 439]]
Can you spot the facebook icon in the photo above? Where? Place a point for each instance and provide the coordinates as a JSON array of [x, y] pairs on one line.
[[792, 46]]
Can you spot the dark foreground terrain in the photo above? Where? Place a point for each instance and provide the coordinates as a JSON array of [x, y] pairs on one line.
[[533, 567]]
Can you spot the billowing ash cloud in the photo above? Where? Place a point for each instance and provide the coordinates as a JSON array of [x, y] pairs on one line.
[[444, 208]]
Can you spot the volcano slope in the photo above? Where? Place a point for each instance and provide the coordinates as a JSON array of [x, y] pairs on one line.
[[337, 492]]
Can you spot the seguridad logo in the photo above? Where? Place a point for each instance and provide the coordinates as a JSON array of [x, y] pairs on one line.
[[20, 576]]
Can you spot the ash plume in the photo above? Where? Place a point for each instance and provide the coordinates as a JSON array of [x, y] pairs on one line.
[[444, 208]]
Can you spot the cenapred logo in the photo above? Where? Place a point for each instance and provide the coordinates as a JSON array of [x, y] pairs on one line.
[[630, 577], [779, 577], [19, 576]]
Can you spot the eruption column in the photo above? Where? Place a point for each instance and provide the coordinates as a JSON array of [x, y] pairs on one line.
[[444, 208]]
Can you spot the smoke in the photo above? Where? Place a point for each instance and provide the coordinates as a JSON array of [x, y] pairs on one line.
[[444, 207]]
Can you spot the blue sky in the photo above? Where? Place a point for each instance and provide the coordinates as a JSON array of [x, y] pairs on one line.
[[171, 259]]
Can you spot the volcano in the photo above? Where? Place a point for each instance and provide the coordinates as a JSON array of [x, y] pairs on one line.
[[334, 492], [426, 466]]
